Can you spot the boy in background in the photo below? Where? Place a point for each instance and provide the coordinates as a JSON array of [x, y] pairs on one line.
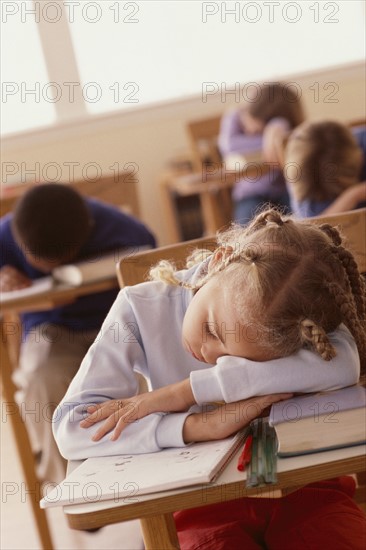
[[53, 225]]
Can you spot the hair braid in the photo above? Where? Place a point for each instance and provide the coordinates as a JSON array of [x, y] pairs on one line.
[[357, 285], [356, 282], [353, 322], [235, 256], [270, 216], [332, 233], [317, 337]]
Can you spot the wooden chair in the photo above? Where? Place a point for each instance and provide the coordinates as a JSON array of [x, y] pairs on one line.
[[135, 269], [353, 226], [357, 122], [119, 190], [203, 137]]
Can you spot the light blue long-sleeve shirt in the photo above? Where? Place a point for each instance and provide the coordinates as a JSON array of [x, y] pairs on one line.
[[142, 332]]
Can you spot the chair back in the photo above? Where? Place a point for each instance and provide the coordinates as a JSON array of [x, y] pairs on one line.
[[119, 190], [357, 122], [352, 225], [203, 135], [135, 269]]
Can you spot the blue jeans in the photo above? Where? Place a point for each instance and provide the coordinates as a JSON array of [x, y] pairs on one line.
[[245, 209]]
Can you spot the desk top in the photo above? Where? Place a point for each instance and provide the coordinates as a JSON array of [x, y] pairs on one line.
[[217, 177], [291, 472], [58, 294]]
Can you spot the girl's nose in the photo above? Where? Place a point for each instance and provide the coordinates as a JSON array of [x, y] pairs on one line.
[[211, 352]]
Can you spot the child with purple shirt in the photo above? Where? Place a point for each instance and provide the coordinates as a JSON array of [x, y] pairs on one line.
[[249, 130]]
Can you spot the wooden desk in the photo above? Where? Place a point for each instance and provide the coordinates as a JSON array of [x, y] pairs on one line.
[[10, 334], [214, 213], [214, 191], [156, 511]]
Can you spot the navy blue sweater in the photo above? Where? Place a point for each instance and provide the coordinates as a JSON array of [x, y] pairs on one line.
[[112, 230]]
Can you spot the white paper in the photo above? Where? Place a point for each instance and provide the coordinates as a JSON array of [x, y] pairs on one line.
[[39, 285]]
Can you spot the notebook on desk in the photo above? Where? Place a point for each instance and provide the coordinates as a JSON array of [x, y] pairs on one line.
[[126, 476], [95, 269], [88, 271]]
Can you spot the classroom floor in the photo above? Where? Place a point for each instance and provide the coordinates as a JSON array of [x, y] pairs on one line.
[[16, 519]]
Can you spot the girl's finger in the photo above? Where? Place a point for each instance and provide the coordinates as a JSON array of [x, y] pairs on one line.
[[93, 418], [98, 413], [105, 428], [280, 397], [93, 408], [120, 426], [88, 421]]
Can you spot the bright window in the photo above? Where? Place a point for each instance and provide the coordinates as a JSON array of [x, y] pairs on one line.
[[130, 54], [26, 95]]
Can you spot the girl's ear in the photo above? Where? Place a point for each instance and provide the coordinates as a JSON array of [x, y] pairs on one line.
[[219, 255]]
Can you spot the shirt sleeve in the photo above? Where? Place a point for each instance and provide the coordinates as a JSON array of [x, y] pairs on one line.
[[232, 139], [235, 378], [107, 372], [9, 251]]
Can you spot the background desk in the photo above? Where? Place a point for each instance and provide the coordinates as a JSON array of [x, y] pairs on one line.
[[9, 345], [214, 193], [155, 511]]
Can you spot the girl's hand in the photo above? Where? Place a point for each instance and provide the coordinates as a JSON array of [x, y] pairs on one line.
[[118, 413], [348, 199], [12, 279], [227, 419], [274, 139]]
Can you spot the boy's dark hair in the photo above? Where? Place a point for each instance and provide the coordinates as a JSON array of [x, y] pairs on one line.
[[277, 100], [52, 221]]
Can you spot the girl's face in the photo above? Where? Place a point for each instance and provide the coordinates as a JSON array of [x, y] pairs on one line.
[[211, 327]]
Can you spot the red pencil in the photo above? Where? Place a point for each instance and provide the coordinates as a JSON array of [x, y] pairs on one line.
[[246, 453]]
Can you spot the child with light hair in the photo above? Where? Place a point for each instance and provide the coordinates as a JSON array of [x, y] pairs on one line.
[[278, 307], [269, 291], [324, 167]]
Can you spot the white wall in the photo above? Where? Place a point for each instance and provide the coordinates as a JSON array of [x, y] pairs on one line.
[[150, 137]]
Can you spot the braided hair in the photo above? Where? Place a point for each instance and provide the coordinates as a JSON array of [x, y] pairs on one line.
[[294, 281]]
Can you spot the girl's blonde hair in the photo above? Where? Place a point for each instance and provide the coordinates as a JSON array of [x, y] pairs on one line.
[[328, 160], [292, 282]]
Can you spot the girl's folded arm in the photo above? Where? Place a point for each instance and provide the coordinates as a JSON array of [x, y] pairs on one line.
[[235, 378]]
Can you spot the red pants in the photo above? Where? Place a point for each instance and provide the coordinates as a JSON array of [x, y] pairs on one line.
[[318, 516]]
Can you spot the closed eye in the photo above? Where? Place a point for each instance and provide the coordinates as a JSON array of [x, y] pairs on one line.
[[210, 333]]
